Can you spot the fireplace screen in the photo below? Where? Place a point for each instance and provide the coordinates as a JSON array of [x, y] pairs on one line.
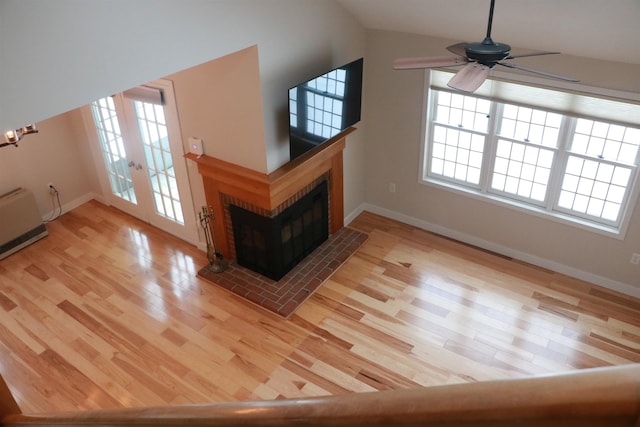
[[273, 246]]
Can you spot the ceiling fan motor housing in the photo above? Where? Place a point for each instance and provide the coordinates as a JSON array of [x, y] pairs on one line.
[[479, 59], [487, 52]]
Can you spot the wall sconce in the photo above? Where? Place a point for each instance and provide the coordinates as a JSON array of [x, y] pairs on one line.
[[14, 136]]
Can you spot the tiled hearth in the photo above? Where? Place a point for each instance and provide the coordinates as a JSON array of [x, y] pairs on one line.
[[285, 296]]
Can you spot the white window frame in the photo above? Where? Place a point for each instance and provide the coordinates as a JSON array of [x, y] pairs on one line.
[[549, 207]]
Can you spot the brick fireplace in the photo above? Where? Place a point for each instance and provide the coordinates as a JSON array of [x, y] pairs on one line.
[[227, 184], [270, 195]]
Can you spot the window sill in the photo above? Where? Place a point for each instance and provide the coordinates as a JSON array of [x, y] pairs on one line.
[[558, 217]]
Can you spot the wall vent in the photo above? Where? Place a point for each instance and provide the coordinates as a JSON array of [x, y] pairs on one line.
[[20, 221]]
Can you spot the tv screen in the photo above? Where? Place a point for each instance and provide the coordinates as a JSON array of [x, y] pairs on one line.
[[324, 106]]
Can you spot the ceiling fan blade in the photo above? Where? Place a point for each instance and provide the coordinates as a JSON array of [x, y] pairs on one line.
[[542, 73], [429, 62], [470, 77], [458, 49], [524, 55]]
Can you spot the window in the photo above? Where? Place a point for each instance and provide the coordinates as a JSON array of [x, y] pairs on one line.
[[564, 164]]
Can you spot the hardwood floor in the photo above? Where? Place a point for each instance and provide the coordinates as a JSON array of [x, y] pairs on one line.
[[107, 312]]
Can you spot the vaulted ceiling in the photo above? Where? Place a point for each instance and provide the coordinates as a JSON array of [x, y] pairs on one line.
[[607, 30]]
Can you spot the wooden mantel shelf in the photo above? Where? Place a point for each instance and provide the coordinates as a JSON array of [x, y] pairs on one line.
[[268, 191]]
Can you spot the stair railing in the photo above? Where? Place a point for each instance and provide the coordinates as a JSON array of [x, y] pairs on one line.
[[595, 397]]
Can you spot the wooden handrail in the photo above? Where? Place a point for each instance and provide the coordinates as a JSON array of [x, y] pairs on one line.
[[595, 397]]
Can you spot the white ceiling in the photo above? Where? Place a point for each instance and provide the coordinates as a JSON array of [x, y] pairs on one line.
[[602, 29]]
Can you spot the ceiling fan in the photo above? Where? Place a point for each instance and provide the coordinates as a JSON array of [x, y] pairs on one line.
[[478, 60]]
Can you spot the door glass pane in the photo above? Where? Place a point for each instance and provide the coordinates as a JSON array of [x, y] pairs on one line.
[[112, 147], [155, 141]]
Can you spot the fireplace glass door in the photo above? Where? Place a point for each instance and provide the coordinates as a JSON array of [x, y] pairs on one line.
[[272, 246]]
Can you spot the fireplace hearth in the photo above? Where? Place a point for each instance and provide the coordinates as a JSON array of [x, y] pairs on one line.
[[272, 246], [269, 195]]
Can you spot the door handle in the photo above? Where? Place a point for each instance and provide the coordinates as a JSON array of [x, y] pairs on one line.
[[133, 164]]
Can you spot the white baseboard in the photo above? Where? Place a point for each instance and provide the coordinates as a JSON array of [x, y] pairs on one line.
[[54, 213], [605, 282], [355, 213]]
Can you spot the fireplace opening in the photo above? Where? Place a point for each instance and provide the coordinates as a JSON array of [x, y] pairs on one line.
[[272, 246]]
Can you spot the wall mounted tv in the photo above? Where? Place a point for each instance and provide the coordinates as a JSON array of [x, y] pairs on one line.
[[324, 106]]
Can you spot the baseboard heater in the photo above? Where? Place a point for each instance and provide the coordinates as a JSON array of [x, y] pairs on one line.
[[20, 221]]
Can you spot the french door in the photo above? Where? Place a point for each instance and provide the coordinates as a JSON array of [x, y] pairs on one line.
[[140, 145]]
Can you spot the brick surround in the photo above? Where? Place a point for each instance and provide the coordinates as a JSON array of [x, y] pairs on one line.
[[228, 200], [285, 296], [270, 192]]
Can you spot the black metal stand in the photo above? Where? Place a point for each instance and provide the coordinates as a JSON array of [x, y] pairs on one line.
[[216, 263]]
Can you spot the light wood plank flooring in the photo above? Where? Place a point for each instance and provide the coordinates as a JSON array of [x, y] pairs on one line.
[[107, 312]]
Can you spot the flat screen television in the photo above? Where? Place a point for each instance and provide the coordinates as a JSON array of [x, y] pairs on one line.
[[324, 106]]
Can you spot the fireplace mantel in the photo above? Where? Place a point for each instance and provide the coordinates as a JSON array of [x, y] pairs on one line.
[[269, 191]]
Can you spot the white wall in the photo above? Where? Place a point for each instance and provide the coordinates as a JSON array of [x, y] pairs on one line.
[[54, 155], [394, 131], [67, 53]]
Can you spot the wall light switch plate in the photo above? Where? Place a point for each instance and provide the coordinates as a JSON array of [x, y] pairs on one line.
[[195, 146]]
